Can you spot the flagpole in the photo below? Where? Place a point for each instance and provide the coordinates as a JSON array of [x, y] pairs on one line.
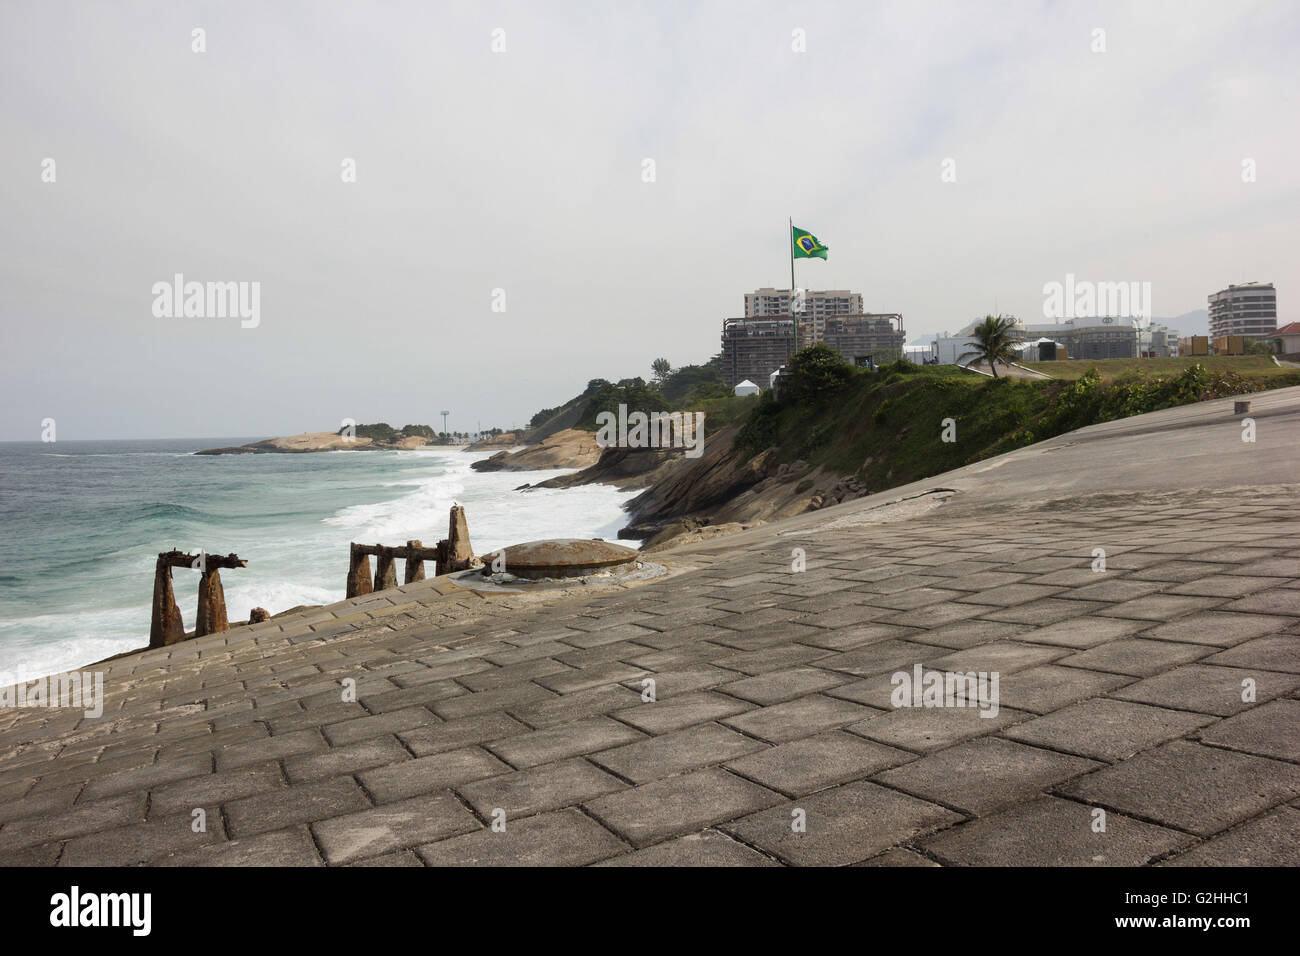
[[794, 323]]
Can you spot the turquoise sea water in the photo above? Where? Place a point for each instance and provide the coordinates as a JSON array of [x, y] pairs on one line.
[[81, 524]]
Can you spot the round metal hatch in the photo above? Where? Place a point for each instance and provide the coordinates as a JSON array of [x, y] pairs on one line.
[[560, 558]]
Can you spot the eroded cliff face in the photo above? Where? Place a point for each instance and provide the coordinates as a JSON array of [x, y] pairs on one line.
[[687, 499]]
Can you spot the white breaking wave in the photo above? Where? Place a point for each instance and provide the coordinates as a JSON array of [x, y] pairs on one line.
[[303, 560]]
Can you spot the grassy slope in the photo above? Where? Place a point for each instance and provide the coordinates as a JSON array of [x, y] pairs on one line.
[[1111, 369], [886, 427]]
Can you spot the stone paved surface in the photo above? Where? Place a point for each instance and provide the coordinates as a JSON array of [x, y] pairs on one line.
[[1121, 692]]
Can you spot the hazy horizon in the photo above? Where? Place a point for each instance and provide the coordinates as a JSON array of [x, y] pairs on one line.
[[524, 170]]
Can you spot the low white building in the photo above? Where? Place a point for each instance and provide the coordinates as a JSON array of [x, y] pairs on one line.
[[948, 349], [746, 388]]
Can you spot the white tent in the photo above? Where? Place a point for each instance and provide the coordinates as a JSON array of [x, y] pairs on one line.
[[746, 388]]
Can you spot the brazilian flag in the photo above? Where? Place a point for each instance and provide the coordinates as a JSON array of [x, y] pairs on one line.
[[806, 245]]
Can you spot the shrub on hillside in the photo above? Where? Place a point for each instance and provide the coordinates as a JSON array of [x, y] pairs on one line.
[[760, 429], [814, 375]]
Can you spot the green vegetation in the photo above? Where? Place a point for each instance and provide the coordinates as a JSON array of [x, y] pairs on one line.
[[696, 388], [606, 397], [885, 427], [380, 431], [384, 433]]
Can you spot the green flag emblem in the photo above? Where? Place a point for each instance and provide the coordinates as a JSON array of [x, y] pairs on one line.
[[806, 245]]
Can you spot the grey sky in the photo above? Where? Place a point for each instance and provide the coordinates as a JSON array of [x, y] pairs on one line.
[[522, 171]]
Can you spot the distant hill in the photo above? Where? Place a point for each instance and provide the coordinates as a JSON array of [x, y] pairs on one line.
[[1196, 322], [695, 387]]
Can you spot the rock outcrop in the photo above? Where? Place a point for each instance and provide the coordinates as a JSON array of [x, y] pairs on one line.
[[306, 442], [621, 467], [571, 448], [692, 499], [321, 441], [494, 442]]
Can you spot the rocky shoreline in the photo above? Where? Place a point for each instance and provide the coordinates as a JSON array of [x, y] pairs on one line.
[[570, 448], [332, 441], [691, 499], [682, 499]]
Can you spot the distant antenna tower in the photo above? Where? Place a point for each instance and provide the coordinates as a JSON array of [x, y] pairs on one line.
[[445, 413]]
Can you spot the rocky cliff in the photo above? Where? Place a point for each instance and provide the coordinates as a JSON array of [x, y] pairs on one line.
[[571, 448], [719, 492]]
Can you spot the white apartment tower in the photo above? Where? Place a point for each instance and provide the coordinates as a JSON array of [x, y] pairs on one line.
[[1248, 309]]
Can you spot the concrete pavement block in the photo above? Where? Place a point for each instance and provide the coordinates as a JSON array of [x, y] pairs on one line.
[[292, 847], [814, 763], [924, 729], [1278, 653], [1209, 689], [1050, 831], [679, 805], [1190, 786], [843, 825], [797, 718], [408, 823], [280, 810], [374, 752], [779, 686], [562, 838], [139, 843], [1269, 730], [551, 786], [214, 789], [675, 752], [454, 734], [676, 713], [1270, 840], [706, 848], [1106, 729], [544, 746], [1041, 690], [439, 771], [1136, 657], [985, 775]]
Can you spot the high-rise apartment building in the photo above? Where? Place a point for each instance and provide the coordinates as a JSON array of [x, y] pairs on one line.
[[816, 306], [1249, 309]]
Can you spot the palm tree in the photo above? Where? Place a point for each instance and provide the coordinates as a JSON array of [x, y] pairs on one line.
[[995, 340]]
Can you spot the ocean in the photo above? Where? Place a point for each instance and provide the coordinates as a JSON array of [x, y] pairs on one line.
[[82, 522]]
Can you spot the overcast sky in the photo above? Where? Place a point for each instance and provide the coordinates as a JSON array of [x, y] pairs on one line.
[[524, 171]]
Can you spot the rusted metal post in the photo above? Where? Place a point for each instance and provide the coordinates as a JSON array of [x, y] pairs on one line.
[[166, 626], [211, 618], [385, 568], [414, 563], [359, 572]]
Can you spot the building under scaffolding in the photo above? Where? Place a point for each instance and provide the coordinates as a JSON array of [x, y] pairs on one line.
[[753, 348]]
